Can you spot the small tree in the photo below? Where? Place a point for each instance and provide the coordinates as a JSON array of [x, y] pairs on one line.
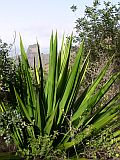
[[100, 27]]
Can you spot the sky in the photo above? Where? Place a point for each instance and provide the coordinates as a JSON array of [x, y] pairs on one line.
[[35, 19]]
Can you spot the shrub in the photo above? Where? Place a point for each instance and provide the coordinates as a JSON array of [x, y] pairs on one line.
[[54, 115]]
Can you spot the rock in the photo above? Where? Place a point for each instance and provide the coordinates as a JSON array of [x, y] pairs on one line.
[[32, 52]]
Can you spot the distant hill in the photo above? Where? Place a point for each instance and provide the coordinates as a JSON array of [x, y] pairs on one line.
[[32, 52]]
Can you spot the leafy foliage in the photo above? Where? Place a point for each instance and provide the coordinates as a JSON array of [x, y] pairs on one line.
[[100, 28], [54, 112], [9, 75], [6, 70]]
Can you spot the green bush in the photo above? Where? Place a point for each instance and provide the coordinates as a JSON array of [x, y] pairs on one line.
[[53, 114], [6, 70]]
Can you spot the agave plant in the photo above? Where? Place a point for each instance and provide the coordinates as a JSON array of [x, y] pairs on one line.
[[57, 106]]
